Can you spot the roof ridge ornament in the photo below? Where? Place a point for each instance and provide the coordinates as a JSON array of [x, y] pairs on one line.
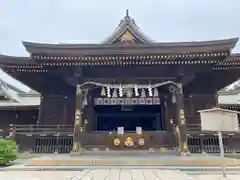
[[127, 14], [127, 28]]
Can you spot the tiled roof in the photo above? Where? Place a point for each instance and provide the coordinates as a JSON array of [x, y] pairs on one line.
[[15, 96]]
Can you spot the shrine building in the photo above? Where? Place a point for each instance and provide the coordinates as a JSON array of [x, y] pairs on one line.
[[127, 91]]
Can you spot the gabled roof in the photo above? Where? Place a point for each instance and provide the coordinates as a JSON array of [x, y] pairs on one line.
[[128, 39], [17, 99], [15, 96], [128, 49], [11, 83], [25, 100], [13, 59], [127, 31], [230, 95], [233, 88], [8, 93], [218, 109]]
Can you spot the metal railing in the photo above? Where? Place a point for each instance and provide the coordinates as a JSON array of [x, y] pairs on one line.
[[210, 144]]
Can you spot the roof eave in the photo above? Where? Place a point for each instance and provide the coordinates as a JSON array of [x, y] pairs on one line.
[[5, 59]]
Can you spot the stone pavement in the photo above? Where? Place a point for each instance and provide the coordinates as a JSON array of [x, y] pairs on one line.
[[109, 174], [144, 159]]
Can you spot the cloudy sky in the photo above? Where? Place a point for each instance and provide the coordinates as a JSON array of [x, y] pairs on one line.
[[84, 21]]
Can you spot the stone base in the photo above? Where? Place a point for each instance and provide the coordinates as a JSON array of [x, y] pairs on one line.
[[77, 153], [113, 160]]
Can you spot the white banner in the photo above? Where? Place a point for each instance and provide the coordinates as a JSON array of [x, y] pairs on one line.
[[139, 130], [120, 130]]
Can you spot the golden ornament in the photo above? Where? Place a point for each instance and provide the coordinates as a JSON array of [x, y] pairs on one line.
[[128, 142], [141, 141], [116, 141]]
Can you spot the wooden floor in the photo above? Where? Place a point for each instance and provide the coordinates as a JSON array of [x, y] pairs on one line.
[[109, 174]]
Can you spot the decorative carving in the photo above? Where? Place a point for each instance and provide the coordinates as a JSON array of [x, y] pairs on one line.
[[182, 116], [172, 88], [127, 37], [129, 142], [116, 141], [141, 142], [77, 116]]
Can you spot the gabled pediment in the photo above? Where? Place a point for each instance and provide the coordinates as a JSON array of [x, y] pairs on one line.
[[127, 32], [127, 37]]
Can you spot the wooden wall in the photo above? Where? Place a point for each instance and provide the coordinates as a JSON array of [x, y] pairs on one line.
[[192, 104], [57, 102], [21, 117]]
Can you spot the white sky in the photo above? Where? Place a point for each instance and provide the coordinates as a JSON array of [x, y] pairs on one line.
[[86, 21]]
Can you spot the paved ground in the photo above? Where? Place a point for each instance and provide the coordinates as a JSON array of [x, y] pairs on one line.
[[136, 159], [110, 174]]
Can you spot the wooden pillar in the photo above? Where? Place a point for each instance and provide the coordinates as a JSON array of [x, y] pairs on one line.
[[64, 120], [181, 119], [192, 110], [78, 129], [40, 111], [91, 112], [166, 118], [12, 132], [202, 143], [159, 125], [216, 101]]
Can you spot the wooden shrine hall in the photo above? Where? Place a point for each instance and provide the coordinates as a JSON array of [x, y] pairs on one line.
[[127, 91]]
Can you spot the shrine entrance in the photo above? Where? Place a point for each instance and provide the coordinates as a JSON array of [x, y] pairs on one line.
[[148, 117], [127, 116]]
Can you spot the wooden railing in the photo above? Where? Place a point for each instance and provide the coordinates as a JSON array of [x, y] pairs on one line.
[[52, 138], [43, 129], [193, 128]]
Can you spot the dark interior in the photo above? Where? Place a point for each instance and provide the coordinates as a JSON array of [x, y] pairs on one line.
[[109, 118]]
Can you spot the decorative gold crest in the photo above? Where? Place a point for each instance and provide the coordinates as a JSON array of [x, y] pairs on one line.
[[77, 116], [116, 141], [141, 142], [127, 37], [128, 142], [182, 116]]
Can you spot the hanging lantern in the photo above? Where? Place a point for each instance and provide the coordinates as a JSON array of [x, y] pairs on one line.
[[108, 92], [136, 90], [174, 100], [155, 93], [120, 91], [143, 93], [114, 93], [150, 90], [129, 93], [103, 92]]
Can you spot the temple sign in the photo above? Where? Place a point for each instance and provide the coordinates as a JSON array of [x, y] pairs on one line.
[[220, 120]]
